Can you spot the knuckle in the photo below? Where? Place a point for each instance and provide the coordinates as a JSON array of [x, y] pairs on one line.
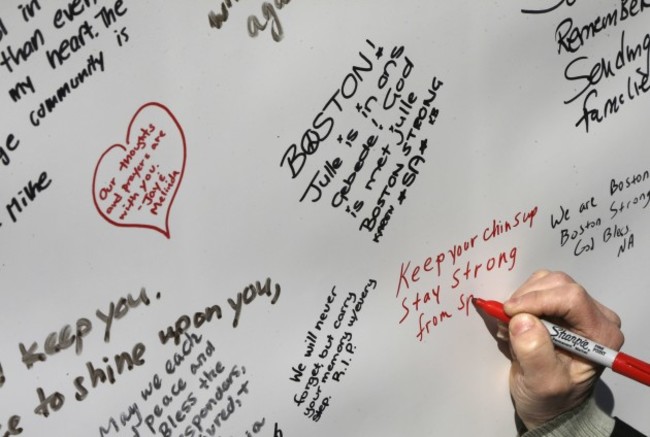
[[561, 278], [576, 295], [538, 274]]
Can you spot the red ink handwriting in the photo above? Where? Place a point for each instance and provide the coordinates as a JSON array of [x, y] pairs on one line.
[[135, 184]]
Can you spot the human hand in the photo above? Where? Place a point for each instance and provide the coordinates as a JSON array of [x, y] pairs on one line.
[[546, 381]]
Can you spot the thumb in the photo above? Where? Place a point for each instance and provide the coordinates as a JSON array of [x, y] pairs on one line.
[[539, 380], [533, 350]]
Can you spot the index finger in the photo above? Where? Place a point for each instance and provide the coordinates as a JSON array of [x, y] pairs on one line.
[[557, 295]]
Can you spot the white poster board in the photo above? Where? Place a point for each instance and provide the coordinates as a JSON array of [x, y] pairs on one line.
[[268, 218]]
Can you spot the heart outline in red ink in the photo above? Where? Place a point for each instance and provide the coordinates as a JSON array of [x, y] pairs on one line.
[[154, 227]]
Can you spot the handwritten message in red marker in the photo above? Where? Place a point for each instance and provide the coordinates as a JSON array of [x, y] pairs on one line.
[[135, 184]]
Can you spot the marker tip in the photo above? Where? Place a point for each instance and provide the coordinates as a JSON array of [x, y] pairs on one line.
[[477, 301]]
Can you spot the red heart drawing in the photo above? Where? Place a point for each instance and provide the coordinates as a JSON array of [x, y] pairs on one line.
[[135, 185]]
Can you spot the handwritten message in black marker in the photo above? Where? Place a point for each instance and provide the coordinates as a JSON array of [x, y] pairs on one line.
[[330, 350], [624, 71], [208, 400], [202, 403], [214, 312], [372, 129], [34, 353], [26, 195], [197, 393], [81, 24], [255, 25], [37, 41], [28, 192], [603, 222]]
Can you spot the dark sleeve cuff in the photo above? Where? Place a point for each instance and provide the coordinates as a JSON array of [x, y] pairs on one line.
[[622, 429]]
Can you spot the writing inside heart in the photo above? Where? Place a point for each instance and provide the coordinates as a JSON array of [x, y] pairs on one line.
[[135, 184]]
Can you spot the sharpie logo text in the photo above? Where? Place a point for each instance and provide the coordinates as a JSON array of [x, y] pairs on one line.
[[578, 343]]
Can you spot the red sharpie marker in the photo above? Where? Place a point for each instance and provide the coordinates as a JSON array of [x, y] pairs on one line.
[[579, 345]]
